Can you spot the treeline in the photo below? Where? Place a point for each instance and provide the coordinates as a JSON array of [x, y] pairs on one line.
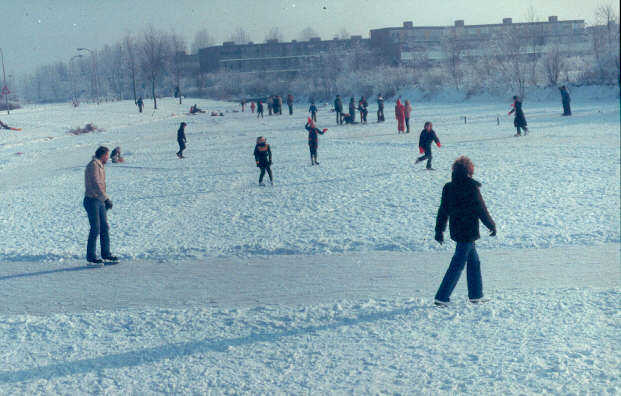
[[148, 65]]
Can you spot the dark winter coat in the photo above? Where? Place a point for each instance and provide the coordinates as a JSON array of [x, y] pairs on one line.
[[519, 119], [380, 103], [313, 134], [312, 108], [338, 105], [565, 95], [462, 205], [181, 134], [426, 138], [260, 107], [263, 155]]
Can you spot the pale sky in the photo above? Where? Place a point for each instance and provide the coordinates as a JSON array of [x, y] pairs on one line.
[[36, 32]]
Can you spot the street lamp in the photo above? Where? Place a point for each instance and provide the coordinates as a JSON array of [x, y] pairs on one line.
[[5, 89], [73, 87], [94, 70]]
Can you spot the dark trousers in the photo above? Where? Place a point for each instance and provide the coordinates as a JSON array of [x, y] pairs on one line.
[[98, 220], [260, 113], [407, 124], [427, 157], [519, 129], [140, 109], [313, 152], [465, 253], [566, 108], [290, 109], [380, 115], [265, 168], [339, 117], [314, 116], [181, 147]]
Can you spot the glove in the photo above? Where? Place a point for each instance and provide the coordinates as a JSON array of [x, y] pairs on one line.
[[108, 204], [439, 144], [421, 150], [493, 233], [439, 238]]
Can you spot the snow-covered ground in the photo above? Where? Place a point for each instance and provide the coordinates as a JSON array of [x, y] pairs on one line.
[[322, 283]]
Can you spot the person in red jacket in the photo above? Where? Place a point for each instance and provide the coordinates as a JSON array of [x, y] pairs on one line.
[[427, 136], [400, 116], [252, 106]]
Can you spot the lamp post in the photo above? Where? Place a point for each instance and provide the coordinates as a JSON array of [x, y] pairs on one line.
[[5, 90], [94, 70], [73, 87]]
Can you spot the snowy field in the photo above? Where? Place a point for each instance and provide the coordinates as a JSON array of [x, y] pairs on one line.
[[322, 283]]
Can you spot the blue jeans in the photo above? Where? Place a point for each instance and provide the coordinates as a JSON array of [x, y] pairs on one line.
[[465, 252], [98, 220]]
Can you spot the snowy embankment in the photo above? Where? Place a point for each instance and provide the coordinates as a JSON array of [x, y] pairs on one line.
[[323, 283]]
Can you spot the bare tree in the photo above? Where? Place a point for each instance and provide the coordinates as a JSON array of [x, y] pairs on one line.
[[274, 34], [453, 49], [154, 54], [554, 65], [307, 33], [202, 39], [343, 34], [130, 58], [605, 38], [240, 36], [510, 61], [177, 47], [534, 38]]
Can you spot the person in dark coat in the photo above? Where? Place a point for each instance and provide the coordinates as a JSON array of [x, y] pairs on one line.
[[290, 103], [362, 107], [140, 104], [259, 109], [313, 139], [338, 108], [270, 105], [566, 101], [181, 139], [352, 109], [380, 108], [519, 121], [462, 206], [313, 110], [263, 158], [427, 136]]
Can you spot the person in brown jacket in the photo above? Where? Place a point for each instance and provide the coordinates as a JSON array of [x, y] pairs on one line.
[[462, 206], [97, 203]]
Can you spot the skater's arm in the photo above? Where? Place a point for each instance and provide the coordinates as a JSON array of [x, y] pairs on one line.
[[435, 139], [484, 215], [442, 216]]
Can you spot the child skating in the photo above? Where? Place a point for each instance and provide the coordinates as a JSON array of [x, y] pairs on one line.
[[427, 136], [263, 158], [313, 139]]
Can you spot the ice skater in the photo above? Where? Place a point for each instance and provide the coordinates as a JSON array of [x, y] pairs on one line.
[[259, 109], [566, 99], [380, 108], [252, 107], [519, 121], [140, 104], [338, 109], [181, 140], [313, 110], [462, 205], [362, 107], [97, 203], [427, 136], [263, 158], [400, 116], [408, 111], [313, 139]]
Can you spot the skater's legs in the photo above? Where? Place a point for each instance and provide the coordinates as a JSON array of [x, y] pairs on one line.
[[104, 238], [462, 251], [269, 173], [429, 157], [92, 207], [407, 125], [473, 274], [262, 174]]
